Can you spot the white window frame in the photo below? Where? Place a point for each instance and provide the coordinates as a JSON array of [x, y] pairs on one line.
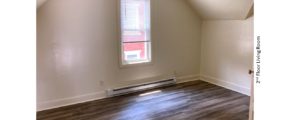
[[121, 53]]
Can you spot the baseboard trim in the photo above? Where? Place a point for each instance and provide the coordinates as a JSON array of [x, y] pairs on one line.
[[70, 101], [102, 94], [187, 78], [93, 96], [225, 84]]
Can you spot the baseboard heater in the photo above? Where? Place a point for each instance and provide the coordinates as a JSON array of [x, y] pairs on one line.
[[141, 87]]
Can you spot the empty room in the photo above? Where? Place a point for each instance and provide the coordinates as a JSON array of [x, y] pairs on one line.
[[145, 59]]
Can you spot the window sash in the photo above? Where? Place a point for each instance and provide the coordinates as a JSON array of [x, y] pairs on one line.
[[130, 20], [147, 54], [135, 28], [136, 41]]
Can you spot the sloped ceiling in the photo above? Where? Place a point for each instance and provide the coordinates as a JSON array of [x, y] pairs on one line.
[[222, 9], [215, 9], [40, 2]]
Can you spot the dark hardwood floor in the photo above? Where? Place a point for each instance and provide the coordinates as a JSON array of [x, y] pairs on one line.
[[196, 100]]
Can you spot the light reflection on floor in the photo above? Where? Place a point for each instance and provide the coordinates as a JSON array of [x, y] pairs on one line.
[[149, 93], [141, 110]]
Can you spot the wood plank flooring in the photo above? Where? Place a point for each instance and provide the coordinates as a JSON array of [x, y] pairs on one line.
[[196, 100]]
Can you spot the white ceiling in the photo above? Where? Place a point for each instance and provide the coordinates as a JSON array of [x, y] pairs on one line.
[[222, 9]]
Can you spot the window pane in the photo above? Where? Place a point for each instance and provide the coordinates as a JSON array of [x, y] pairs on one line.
[[136, 52], [135, 20]]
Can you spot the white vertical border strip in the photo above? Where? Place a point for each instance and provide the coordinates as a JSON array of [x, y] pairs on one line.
[[272, 93], [18, 59]]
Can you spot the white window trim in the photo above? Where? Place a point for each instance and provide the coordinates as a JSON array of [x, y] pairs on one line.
[[120, 47]]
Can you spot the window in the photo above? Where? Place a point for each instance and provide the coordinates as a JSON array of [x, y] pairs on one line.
[[135, 31]]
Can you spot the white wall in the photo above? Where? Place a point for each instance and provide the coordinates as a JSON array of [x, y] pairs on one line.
[[227, 53], [77, 48]]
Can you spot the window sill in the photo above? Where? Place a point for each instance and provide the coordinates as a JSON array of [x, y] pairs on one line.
[[136, 64]]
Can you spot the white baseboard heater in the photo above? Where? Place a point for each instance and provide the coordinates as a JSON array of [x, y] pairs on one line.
[[141, 87]]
